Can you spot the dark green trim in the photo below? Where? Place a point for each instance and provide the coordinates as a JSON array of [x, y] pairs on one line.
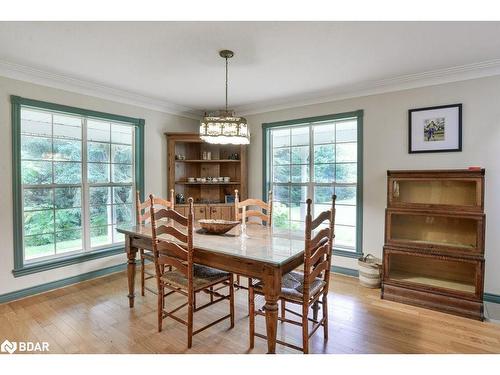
[[266, 183], [490, 297], [345, 271], [74, 110], [60, 283], [21, 269], [66, 261]]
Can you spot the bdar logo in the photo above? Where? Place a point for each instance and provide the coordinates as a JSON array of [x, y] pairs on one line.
[[8, 347]]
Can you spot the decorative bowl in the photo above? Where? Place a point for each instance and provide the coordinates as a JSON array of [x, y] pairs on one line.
[[217, 226]]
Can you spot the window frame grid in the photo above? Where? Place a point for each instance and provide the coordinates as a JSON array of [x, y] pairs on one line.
[[24, 267], [268, 164]]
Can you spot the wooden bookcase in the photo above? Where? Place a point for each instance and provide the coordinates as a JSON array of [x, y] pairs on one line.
[[209, 197], [434, 240]]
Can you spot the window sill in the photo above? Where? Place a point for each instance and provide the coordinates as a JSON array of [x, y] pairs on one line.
[[345, 253], [66, 261]]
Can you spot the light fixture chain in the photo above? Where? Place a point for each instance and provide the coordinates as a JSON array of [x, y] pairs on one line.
[[226, 83]]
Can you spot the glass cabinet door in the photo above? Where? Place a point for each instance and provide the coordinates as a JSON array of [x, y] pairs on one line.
[[427, 192], [443, 231]]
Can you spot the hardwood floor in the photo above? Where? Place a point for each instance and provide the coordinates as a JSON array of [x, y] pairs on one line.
[[94, 317]]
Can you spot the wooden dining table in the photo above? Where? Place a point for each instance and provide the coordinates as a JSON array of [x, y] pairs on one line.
[[262, 253]]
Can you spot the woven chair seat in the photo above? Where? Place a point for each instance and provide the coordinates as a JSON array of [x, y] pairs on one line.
[[203, 277], [292, 286]]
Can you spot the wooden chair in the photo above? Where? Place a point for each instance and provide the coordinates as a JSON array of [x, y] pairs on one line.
[[143, 216], [307, 288], [259, 209], [185, 277]]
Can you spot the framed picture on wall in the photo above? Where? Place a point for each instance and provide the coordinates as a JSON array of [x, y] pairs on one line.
[[435, 129]]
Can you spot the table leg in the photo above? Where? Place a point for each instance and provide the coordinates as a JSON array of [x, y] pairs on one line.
[[131, 255], [272, 289]]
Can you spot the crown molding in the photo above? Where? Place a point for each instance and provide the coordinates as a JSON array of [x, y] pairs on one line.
[[430, 78], [64, 82]]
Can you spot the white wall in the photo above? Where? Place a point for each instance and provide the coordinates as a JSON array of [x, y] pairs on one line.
[[155, 156], [386, 147]]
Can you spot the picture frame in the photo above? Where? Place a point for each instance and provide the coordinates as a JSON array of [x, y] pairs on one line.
[[229, 198], [435, 129]]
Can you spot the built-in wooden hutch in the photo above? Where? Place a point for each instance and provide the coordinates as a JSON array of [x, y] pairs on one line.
[[217, 170], [434, 240]]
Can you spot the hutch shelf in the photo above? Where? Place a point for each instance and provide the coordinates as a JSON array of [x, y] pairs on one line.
[[434, 240], [185, 160]]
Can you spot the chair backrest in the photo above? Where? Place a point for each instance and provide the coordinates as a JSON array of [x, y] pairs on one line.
[[254, 208], [143, 212], [176, 250], [318, 249]]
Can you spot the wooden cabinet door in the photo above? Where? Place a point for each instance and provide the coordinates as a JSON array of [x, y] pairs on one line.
[[227, 213], [200, 212], [181, 210], [215, 212]]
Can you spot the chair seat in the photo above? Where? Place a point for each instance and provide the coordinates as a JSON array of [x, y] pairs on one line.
[[203, 277], [292, 286]]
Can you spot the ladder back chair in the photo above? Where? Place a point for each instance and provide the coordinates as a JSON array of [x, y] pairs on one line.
[[143, 216], [262, 211], [307, 288], [175, 249]]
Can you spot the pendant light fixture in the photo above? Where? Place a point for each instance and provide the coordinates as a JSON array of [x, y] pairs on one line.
[[225, 127]]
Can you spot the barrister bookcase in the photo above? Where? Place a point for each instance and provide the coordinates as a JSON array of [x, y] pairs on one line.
[[434, 240]]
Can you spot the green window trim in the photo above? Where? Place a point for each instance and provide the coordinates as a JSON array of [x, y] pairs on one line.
[[266, 183], [21, 269]]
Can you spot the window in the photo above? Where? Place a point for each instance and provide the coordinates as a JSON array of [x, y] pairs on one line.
[[316, 158], [75, 177]]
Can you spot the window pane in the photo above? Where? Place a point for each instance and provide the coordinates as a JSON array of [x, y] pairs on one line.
[[98, 152], [281, 174], [121, 134], [100, 216], [324, 154], [281, 156], [38, 246], [300, 155], [345, 236], [67, 150], [121, 154], [122, 194], [324, 134], [36, 172], [69, 240], [122, 173], [38, 222], [300, 173], [98, 131], [323, 194], [281, 193], [68, 218], [117, 237], [67, 173], [99, 196], [298, 194], [319, 208], [281, 215], [324, 173], [37, 148], [122, 214], [347, 131], [345, 215], [281, 138], [98, 172], [68, 197], [36, 122], [347, 152], [101, 236], [37, 199], [298, 211], [346, 195], [346, 173], [67, 126], [300, 136]]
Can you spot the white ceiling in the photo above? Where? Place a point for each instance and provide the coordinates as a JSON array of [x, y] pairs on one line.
[[177, 63]]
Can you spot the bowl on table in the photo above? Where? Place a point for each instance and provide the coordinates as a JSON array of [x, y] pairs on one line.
[[217, 226]]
